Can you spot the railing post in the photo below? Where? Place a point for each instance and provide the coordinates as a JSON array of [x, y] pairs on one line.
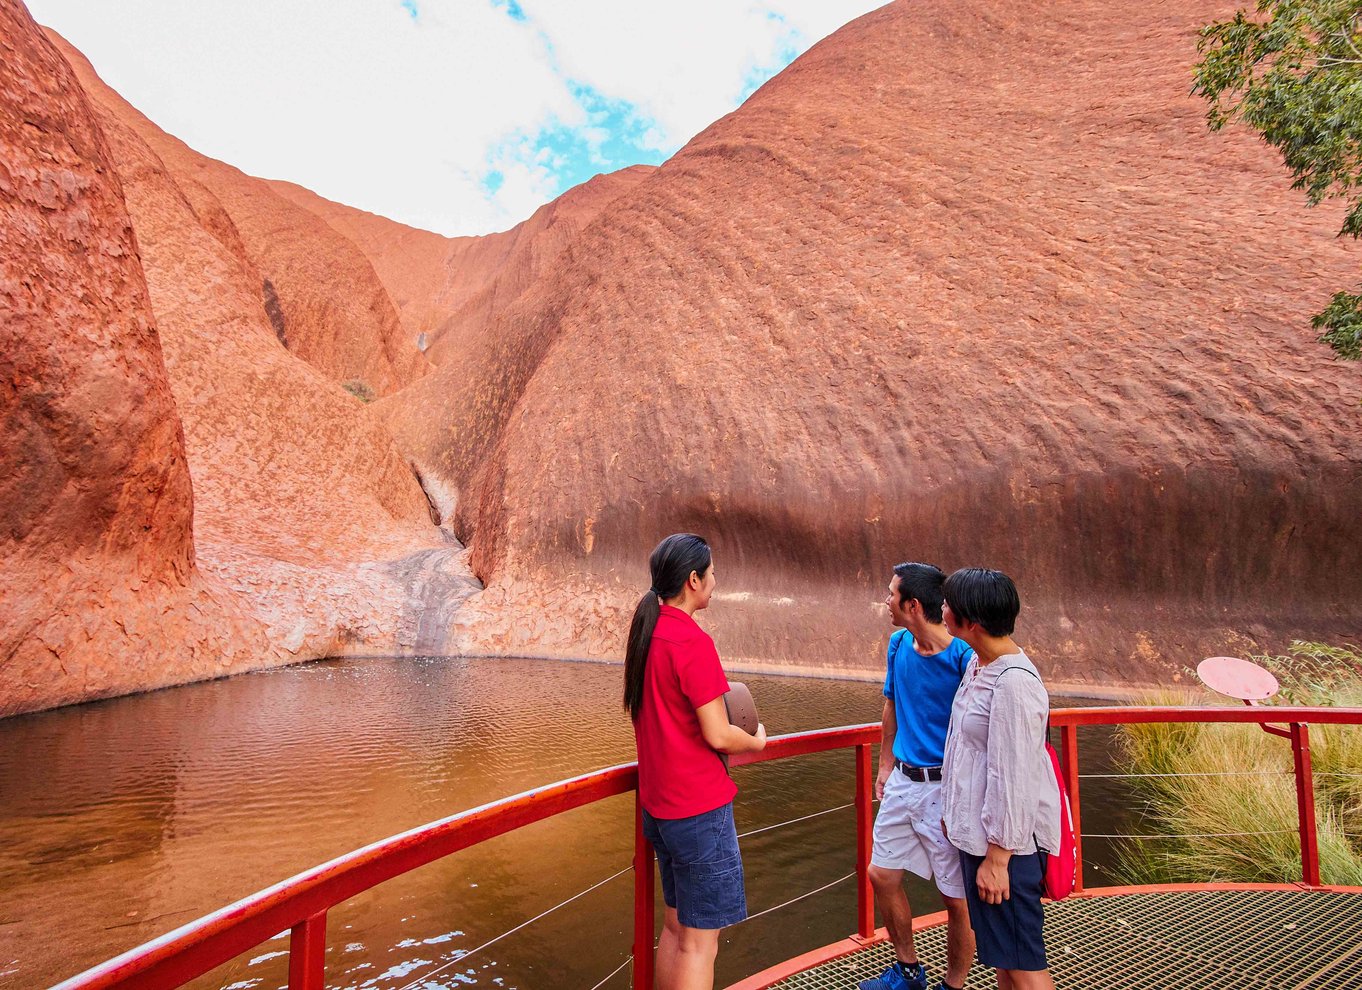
[[644, 913], [1068, 735], [865, 825], [307, 954], [1305, 802]]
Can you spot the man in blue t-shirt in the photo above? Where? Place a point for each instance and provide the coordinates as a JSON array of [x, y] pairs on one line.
[[923, 670]]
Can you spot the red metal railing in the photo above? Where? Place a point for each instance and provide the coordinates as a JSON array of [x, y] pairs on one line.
[[300, 905], [1069, 720]]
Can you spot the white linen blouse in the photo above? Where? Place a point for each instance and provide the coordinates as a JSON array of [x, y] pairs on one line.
[[998, 785]]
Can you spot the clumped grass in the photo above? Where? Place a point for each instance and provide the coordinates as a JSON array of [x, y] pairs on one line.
[[1315, 673], [1336, 751], [1230, 813], [359, 389]]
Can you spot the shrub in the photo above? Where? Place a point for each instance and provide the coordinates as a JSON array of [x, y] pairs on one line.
[[1228, 808], [359, 389]]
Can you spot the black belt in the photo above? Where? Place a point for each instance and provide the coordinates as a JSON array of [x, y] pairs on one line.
[[920, 774]]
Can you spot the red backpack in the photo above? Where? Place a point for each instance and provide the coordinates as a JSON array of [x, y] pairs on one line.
[[1061, 866]]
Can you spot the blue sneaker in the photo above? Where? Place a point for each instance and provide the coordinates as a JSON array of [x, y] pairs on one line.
[[895, 978]]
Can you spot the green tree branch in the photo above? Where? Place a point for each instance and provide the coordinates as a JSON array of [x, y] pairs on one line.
[[1295, 76]]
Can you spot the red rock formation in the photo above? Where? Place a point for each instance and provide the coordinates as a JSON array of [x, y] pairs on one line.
[[98, 588], [449, 289], [145, 355], [304, 504], [320, 293], [962, 284]]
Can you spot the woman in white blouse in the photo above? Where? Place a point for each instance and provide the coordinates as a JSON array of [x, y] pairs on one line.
[[1000, 799]]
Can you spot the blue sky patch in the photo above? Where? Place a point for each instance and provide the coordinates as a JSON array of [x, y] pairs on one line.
[[513, 9], [617, 134]]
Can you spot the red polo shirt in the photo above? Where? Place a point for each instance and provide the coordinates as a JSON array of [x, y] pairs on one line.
[[678, 774]]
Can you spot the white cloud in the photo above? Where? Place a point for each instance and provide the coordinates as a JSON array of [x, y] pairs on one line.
[[682, 67], [407, 107]]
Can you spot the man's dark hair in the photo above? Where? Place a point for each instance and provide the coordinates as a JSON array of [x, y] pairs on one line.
[[977, 594], [923, 582]]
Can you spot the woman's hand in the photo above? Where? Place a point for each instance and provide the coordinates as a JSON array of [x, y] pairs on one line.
[[724, 737], [992, 879]]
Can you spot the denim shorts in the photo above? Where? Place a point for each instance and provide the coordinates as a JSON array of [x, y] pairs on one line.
[[701, 867], [1010, 935]]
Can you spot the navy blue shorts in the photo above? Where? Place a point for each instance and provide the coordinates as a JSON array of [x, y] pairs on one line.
[[1010, 935], [701, 867]]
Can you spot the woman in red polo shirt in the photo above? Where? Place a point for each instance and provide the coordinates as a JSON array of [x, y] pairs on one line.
[[674, 687]]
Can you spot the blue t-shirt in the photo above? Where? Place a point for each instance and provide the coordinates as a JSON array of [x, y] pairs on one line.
[[922, 690]]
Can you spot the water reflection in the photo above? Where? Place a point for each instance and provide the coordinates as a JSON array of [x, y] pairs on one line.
[[123, 819]]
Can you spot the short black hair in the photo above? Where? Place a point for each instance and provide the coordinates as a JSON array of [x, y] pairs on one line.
[[977, 594], [923, 582]]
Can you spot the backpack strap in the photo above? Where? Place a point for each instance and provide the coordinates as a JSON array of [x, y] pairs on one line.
[[1042, 684], [1048, 744]]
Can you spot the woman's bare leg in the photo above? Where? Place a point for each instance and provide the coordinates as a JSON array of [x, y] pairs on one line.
[[685, 956], [1026, 979], [667, 946]]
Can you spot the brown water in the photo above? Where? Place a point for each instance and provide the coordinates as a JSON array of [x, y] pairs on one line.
[[121, 820]]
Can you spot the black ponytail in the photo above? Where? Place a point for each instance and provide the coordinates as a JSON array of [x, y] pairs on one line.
[[671, 564]]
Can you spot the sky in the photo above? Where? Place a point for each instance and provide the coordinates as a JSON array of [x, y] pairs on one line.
[[459, 116]]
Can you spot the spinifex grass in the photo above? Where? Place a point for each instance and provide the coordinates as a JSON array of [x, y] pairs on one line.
[[1226, 808]]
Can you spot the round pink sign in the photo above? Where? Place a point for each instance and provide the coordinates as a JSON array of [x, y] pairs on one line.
[[1242, 679]]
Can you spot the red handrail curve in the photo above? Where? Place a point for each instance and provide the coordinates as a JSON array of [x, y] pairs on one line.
[[189, 951], [300, 903], [1069, 720], [297, 903], [1257, 715]]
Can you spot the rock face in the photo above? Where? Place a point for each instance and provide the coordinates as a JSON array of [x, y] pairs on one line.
[[963, 285], [450, 289], [99, 587], [305, 506], [176, 321], [323, 301]]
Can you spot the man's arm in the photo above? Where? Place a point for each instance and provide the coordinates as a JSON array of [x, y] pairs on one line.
[[889, 727], [722, 735]]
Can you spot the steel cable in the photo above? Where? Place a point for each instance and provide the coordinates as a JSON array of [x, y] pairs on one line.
[[627, 960], [1190, 835], [523, 924], [753, 917], [1204, 773], [756, 831], [816, 814]]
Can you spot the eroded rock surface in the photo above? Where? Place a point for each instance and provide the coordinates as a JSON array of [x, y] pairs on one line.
[[962, 284], [302, 496], [99, 591], [449, 290], [144, 358], [965, 285], [324, 301]]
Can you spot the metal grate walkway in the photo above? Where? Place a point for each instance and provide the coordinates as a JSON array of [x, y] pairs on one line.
[[1184, 940]]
